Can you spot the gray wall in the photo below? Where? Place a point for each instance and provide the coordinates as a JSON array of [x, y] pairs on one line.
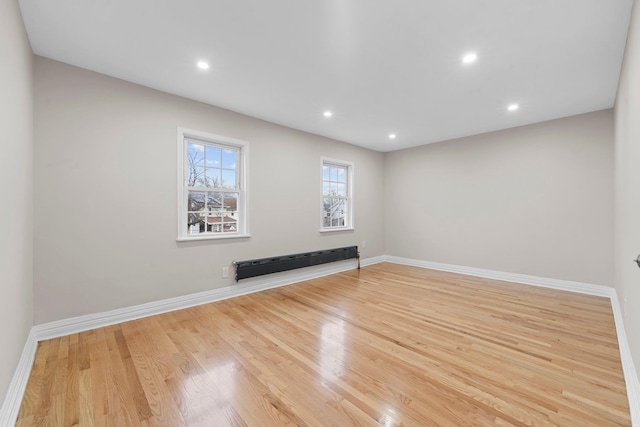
[[16, 188], [627, 187], [532, 200], [105, 194]]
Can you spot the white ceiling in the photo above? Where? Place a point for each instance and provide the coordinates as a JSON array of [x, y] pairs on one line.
[[380, 66]]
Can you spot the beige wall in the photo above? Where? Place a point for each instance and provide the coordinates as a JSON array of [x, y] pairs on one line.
[[16, 188], [105, 194], [627, 187], [533, 200]]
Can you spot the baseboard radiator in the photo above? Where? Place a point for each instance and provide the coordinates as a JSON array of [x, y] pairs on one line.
[[262, 266]]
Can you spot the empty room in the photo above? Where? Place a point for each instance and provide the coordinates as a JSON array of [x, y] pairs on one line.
[[321, 213]]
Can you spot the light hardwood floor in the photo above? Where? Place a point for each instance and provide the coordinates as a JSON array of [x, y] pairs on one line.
[[388, 345]]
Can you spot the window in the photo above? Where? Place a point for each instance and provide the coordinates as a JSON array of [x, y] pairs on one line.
[[212, 191], [337, 195]]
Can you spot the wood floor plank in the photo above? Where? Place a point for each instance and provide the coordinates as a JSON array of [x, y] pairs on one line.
[[387, 345], [86, 415], [71, 393]]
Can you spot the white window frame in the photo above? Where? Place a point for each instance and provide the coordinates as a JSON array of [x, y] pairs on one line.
[[242, 176], [349, 218]]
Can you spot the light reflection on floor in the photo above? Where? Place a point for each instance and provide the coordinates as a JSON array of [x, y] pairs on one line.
[[388, 419], [224, 377], [332, 349], [210, 394]]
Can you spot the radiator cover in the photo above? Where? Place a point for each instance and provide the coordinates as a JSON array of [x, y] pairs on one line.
[[277, 264]]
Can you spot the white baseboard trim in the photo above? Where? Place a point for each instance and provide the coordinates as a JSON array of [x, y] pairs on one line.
[[628, 367], [564, 285], [13, 398]]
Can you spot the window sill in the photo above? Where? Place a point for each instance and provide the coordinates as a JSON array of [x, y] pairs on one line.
[[210, 237], [333, 230]]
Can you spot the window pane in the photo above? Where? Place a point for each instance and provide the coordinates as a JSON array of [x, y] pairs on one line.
[[326, 204], [333, 212], [341, 175], [228, 179], [195, 176], [231, 204], [212, 178], [214, 203], [326, 188], [337, 213], [213, 156], [338, 207], [342, 190], [228, 225], [194, 223], [214, 224], [326, 173], [195, 201], [334, 174], [195, 154], [229, 159], [334, 189], [206, 226], [230, 218]]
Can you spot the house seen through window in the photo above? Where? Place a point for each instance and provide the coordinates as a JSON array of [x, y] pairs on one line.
[[213, 190], [337, 206]]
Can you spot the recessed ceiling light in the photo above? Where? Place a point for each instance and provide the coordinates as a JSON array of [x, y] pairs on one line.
[[392, 136], [469, 58], [203, 65], [327, 114], [513, 107]]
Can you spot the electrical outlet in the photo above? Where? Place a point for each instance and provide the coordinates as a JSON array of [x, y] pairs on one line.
[[364, 244], [225, 272]]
